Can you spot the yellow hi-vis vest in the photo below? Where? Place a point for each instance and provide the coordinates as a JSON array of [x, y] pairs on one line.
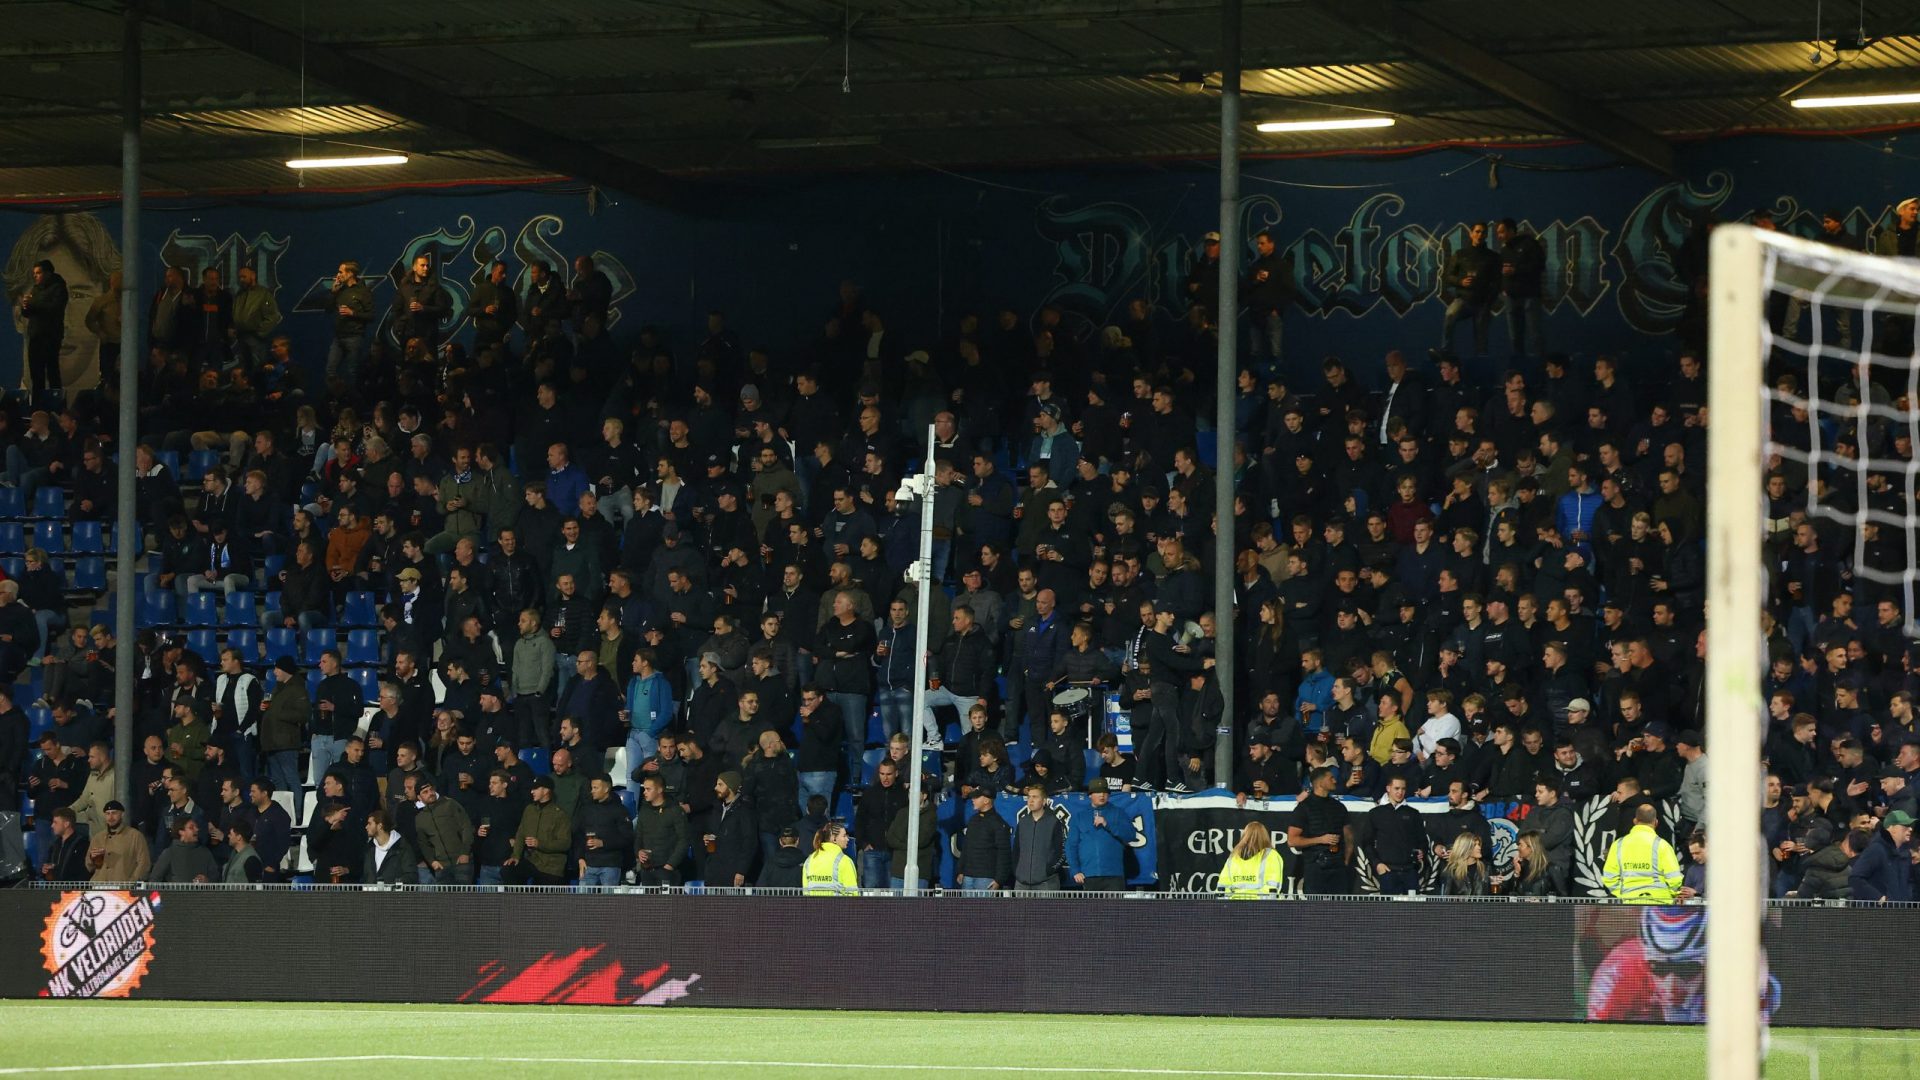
[[829, 873], [1258, 878], [1641, 868]]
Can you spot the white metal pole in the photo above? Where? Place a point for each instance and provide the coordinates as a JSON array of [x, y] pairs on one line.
[[925, 489], [1735, 657]]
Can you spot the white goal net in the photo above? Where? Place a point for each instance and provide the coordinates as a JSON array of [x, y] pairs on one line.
[[1814, 402]]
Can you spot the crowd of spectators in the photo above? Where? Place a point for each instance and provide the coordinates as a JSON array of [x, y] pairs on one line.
[[477, 590]]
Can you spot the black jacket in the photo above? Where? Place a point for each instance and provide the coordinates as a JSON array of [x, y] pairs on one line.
[[774, 787], [736, 844], [986, 848], [850, 674], [608, 821], [1399, 837], [46, 310], [401, 866], [966, 666], [434, 306], [663, 833]]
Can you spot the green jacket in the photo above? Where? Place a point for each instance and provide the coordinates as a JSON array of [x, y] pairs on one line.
[[283, 725], [552, 828], [570, 791], [500, 498], [192, 740], [443, 832], [532, 668], [1887, 241], [255, 311], [466, 520]]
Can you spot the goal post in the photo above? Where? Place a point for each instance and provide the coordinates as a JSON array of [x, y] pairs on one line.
[[1836, 327], [1736, 419]]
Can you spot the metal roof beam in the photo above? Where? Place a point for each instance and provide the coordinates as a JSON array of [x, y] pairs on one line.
[[1435, 44], [405, 95]]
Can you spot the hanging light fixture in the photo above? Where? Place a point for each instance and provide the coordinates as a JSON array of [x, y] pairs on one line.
[[1329, 124]]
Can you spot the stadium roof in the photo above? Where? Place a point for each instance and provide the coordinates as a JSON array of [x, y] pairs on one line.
[[644, 96]]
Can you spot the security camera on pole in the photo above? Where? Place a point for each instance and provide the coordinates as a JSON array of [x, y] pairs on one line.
[[919, 487]]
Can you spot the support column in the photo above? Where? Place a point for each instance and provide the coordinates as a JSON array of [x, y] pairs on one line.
[[126, 518], [1226, 368]]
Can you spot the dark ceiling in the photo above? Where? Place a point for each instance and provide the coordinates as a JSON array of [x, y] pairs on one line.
[[644, 96]]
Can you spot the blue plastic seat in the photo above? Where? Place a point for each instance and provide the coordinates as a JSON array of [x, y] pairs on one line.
[[156, 608], [198, 463], [241, 610], [363, 647], [50, 536], [171, 459], [203, 609], [631, 800], [368, 680], [90, 573], [360, 610], [13, 504], [89, 538], [38, 720], [13, 537], [282, 641], [313, 681], [205, 644], [273, 564], [536, 759], [50, 502], [246, 643], [316, 642]]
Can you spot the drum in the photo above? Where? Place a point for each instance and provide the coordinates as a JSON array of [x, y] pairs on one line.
[[1077, 703]]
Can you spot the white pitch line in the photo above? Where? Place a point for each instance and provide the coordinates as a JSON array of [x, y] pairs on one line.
[[736, 1063]]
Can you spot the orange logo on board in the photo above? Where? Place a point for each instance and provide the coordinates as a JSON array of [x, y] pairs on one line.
[[98, 944]]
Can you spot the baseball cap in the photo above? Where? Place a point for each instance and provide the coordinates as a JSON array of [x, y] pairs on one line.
[[982, 793], [1903, 204], [1579, 704], [1097, 786], [1659, 731], [1210, 237], [1899, 817], [114, 804], [409, 574], [1689, 736]]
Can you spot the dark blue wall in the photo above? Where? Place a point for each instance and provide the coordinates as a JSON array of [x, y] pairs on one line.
[[1368, 234]]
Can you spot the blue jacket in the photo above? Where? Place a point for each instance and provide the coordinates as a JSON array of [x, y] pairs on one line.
[[1575, 514], [1061, 456], [1316, 688], [1882, 872], [564, 488], [1039, 645], [650, 705], [1099, 852]]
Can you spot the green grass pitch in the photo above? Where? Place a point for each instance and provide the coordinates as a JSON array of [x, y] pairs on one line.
[[265, 1041]]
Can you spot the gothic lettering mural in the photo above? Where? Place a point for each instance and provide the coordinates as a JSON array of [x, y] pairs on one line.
[[1366, 239]]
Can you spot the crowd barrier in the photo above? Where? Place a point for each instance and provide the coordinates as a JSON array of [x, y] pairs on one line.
[[1181, 841], [1357, 958]]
